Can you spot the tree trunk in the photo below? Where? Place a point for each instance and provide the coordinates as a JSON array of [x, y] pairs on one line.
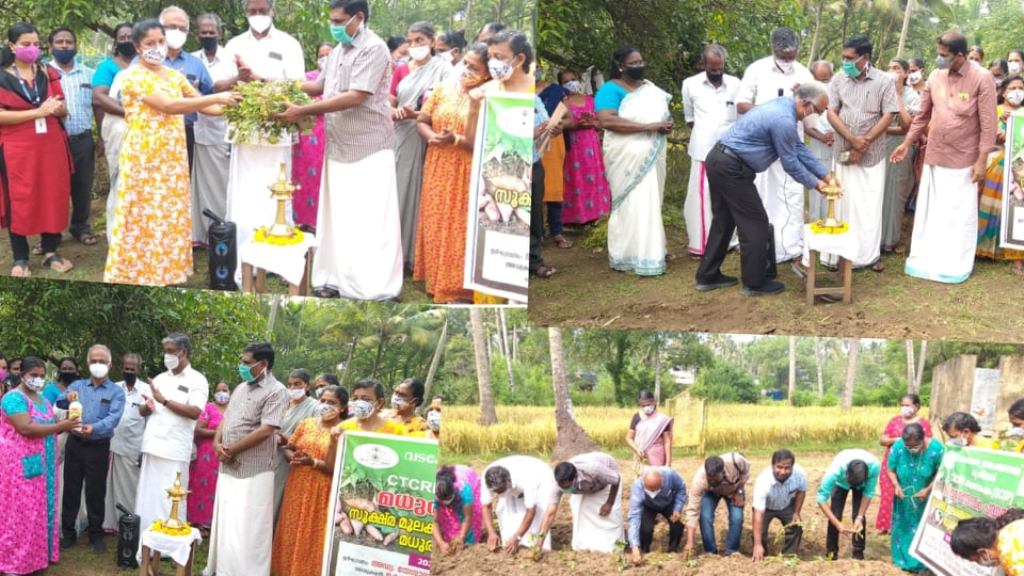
[[817, 30], [906, 28], [506, 348], [380, 353], [920, 366], [275, 307], [488, 415], [792, 369], [571, 438], [348, 361], [911, 379], [438, 352], [851, 374], [817, 364], [657, 368]]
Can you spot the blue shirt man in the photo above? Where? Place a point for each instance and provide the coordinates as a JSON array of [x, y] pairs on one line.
[[195, 72], [102, 406], [77, 86], [659, 491]]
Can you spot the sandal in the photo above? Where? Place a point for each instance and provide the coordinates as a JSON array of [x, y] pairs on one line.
[[562, 241], [878, 266], [87, 238], [58, 264], [326, 293], [20, 269], [544, 272]]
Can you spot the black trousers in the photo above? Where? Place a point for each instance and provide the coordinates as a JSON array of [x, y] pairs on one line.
[[735, 206], [19, 245], [832, 537], [536, 216], [190, 142], [794, 534], [83, 155], [84, 462], [647, 520]]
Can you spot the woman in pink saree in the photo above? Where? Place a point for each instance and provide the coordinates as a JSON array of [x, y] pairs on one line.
[[910, 405], [459, 513], [650, 434]]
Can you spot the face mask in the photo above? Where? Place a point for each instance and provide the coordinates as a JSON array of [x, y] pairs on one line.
[[850, 68], [362, 409], [914, 78], [155, 55], [35, 384], [418, 53], [1017, 432], [130, 379], [64, 56], [715, 78], [321, 63], [171, 361], [221, 397], [27, 54], [434, 421], [569, 490], [958, 442], [260, 23], [246, 373], [915, 450], [326, 409], [209, 43], [652, 494], [176, 39], [1013, 67], [469, 78], [907, 411], [297, 393], [943, 63], [398, 402], [1015, 97], [319, 392], [99, 370], [448, 502], [340, 33], [68, 377], [500, 70], [126, 49], [447, 57], [785, 65], [573, 87], [636, 72], [648, 410]]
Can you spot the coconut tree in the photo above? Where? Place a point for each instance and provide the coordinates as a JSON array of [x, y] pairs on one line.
[[488, 415], [571, 439], [851, 373]]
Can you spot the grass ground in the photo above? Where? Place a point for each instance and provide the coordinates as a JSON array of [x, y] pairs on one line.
[[82, 561], [587, 293]]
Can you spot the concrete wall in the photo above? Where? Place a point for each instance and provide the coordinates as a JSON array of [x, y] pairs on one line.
[[953, 388], [1011, 387]]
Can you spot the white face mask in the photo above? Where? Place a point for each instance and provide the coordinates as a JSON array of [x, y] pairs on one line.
[[652, 494], [1013, 67], [573, 87], [907, 411], [155, 55], [35, 384], [418, 53], [296, 393], [1015, 97], [447, 56], [171, 361], [362, 409], [99, 370], [176, 39], [434, 420], [914, 78], [397, 402], [785, 65], [1017, 432], [260, 23], [321, 63], [221, 397], [961, 442], [649, 409]]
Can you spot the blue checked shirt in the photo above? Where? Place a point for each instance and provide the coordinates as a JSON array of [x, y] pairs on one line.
[[673, 493], [102, 406], [77, 87]]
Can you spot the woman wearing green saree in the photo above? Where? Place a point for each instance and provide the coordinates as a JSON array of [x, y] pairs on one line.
[[300, 407], [913, 464]]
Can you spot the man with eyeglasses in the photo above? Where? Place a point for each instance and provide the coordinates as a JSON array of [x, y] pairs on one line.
[[760, 137]]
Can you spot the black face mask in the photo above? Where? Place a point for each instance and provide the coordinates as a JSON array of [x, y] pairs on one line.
[[209, 43], [635, 72], [126, 49], [715, 77], [68, 377], [130, 378]]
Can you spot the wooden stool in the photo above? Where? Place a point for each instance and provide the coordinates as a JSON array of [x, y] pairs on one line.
[[259, 286], [845, 276], [150, 565]]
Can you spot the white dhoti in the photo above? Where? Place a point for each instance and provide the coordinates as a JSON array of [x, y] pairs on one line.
[[511, 511], [155, 477], [243, 526], [945, 226], [591, 531], [122, 486], [861, 208], [697, 208], [209, 186], [112, 133], [783, 199], [359, 231], [252, 171]]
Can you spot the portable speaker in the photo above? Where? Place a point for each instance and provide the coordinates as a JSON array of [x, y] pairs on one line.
[[223, 252], [127, 538], [772, 271]]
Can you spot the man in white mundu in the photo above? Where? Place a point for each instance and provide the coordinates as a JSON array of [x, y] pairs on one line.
[[783, 197], [521, 491], [862, 100], [262, 53], [709, 103], [595, 487], [177, 398]]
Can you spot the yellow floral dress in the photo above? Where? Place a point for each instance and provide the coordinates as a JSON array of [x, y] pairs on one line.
[[1011, 548], [151, 235]]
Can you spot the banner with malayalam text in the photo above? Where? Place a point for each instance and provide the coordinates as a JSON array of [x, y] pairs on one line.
[[381, 514], [498, 231]]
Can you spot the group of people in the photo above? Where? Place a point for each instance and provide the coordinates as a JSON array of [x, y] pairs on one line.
[[258, 460], [388, 161]]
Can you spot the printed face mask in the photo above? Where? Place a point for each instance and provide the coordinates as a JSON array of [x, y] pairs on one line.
[[500, 70], [221, 397], [914, 78], [907, 411], [573, 87], [35, 384], [434, 421], [649, 410], [1013, 67], [1015, 97], [326, 409], [362, 409], [155, 55]]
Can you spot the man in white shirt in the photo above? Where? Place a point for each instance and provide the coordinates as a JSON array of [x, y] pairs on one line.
[[521, 491], [212, 151], [177, 398], [262, 53], [126, 445], [821, 137], [709, 103], [767, 79], [779, 492]]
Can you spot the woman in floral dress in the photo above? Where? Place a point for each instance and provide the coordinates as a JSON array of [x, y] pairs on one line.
[[151, 235]]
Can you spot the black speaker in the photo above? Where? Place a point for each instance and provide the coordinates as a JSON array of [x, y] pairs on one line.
[[127, 538], [771, 271], [223, 252]]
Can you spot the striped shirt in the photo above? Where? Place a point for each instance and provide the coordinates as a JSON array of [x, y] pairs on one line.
[[77, 87], [595, 471], [770, 494], [262, 403], [860, 105], [361, 131]]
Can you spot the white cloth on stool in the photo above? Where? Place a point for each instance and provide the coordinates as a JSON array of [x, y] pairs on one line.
[[511, 511], [288, 262], [359, 229], [842, 245], [177, 548], [945, 226], [861, 208], [243, 526], [590, 530], [155, 477], [783, 199], [122, 486]]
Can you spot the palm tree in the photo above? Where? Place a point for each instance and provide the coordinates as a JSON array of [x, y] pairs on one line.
[[436, 360], [818, 364], [488, 415], [571, 439], [792, 369], [851, 374]]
